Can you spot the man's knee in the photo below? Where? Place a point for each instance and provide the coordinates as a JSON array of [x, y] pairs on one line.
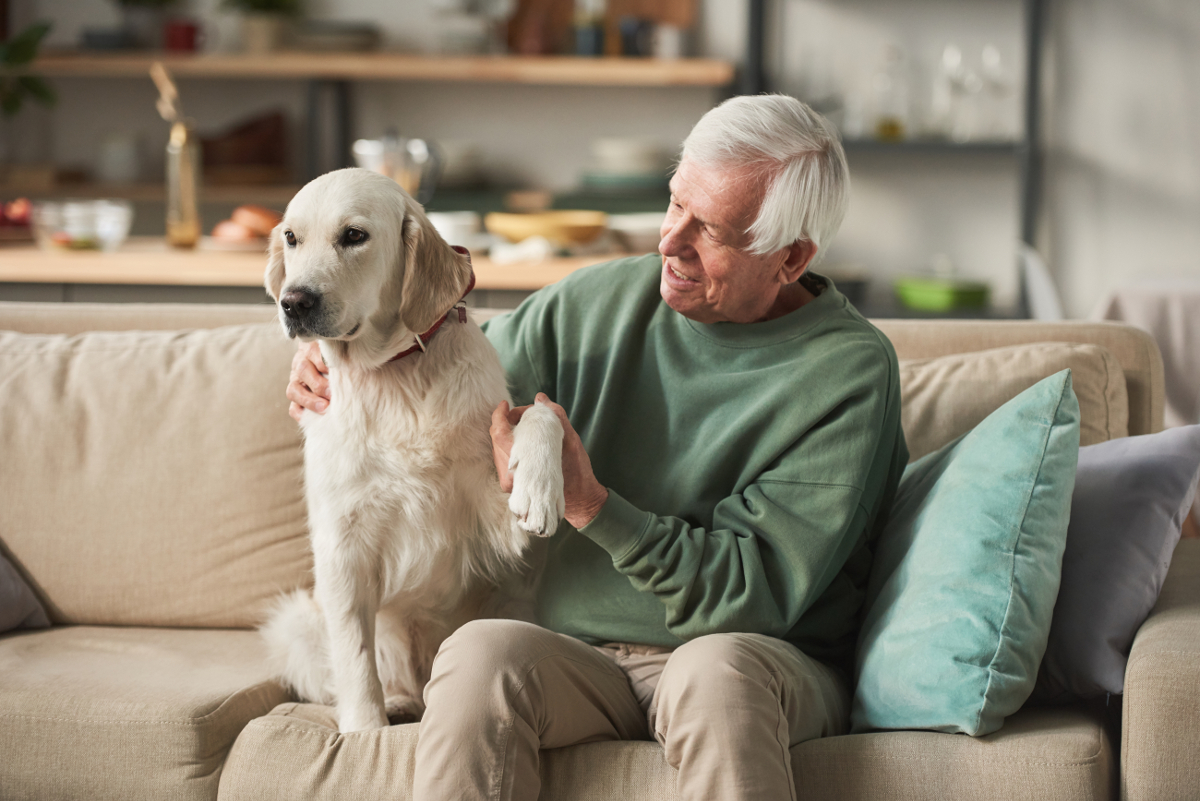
[[480, 648], [707, 663]]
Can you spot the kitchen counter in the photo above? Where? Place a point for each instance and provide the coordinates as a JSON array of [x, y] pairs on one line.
[[148, 261]]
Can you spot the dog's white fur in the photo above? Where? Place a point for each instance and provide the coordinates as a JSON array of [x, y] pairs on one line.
[[411, 532]]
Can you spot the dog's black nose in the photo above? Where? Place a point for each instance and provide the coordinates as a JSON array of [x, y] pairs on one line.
[[298, 303]]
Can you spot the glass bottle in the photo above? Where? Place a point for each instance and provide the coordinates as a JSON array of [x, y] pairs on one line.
[[890, 87], [183, 186]]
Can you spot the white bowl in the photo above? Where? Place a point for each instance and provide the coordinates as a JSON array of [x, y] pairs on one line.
[[82, 224], [639, 233]]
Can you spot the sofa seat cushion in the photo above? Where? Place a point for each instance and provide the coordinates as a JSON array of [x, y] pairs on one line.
[[1064, 754], [125, 713], [297, 752]]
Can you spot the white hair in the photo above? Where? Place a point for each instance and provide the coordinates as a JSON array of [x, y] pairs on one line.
[[797, 150]]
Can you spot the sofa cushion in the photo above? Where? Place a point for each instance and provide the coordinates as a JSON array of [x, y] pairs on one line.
[[946, 397], [1131, 498], [1064, 754], [152, 478], [297, 752], [965, 575], [124, 713]]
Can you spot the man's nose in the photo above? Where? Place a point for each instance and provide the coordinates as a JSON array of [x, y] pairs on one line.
[[298, 304], [673, 241]]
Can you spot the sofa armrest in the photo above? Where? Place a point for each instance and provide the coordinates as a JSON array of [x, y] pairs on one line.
[[1161, 711]]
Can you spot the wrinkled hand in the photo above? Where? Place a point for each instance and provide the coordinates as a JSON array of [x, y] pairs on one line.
[[585, 496], [308, 385]]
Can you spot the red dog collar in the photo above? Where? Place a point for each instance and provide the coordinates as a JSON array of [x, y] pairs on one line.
[[422, 339]]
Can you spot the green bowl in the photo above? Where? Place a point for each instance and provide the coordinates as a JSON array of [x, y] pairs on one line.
[[941, 294]]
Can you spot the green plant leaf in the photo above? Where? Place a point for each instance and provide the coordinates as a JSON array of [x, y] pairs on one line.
[[38, 89], [21, 49]]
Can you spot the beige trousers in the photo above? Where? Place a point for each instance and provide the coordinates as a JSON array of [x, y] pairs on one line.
[[726, 708]]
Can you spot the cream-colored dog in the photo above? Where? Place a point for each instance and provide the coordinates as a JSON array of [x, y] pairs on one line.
[[411, 532]]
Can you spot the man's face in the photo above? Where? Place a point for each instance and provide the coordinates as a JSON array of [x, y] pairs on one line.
[[707, 274]]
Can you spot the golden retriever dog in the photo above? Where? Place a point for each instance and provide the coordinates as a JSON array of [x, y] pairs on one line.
[[411, 532]]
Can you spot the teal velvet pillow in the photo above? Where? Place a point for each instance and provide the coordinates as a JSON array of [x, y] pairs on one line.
[[966, 572]]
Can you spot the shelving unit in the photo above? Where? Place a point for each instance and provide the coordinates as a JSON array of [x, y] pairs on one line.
[[329, 77], [1028, 149]]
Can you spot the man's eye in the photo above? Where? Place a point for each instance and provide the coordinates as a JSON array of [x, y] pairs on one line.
[[290, 237], [354, 236]]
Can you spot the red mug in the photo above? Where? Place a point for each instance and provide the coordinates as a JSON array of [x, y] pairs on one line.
[[181, 36]]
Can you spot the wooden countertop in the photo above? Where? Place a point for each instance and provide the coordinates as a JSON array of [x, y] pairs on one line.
[[149, 261]]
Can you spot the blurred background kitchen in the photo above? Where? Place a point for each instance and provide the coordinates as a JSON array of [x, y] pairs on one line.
[[465, 103]]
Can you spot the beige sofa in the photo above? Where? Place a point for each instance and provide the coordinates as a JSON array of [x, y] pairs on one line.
[[150, 491]]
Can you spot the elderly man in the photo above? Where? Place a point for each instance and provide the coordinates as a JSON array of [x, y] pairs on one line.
[[732, 447]]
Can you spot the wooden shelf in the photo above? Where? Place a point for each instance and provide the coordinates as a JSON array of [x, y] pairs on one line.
[[934, 146], [149, 261], [268, 195], [397, 67]]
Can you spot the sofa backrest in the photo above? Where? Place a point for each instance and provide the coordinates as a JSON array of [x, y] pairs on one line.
[[151, 478], [1134, 349], [150, 475]]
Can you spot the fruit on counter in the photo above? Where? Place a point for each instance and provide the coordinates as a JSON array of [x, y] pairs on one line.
[[258, 219], [16, 212], [247, 224], [231, 231]]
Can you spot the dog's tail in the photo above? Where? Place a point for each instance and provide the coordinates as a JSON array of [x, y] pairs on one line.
[[296, 647]]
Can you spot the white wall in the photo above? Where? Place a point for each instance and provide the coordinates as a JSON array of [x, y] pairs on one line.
[[1123, 184]]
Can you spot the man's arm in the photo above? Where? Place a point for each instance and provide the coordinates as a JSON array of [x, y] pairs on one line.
[[775, 548]]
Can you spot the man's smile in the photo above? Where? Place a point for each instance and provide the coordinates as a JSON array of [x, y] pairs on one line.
[[678, 276]]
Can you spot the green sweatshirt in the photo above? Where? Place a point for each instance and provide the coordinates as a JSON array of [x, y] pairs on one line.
[[749, 467]]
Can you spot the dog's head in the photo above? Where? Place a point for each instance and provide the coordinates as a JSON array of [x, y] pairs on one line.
[[355, 258]]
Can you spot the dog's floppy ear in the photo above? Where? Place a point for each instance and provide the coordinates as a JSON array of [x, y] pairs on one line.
[[274, 275], [435, 276]]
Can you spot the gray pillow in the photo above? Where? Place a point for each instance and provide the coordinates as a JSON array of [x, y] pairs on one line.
[[19, 607], [1130, 500]]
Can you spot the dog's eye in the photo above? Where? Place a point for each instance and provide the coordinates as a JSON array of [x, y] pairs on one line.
[[354, 236], [290, 237]]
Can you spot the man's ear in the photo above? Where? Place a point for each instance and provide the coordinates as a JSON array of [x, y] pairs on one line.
[[435, 276], [797, 257], [275, 273]]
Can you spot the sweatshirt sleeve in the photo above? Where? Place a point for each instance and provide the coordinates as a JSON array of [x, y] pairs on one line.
[[777, 545], [525, 341]]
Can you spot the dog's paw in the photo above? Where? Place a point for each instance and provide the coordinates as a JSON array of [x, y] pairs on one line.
[[537, 501], [536, 466], [403, 709], [361, 719]]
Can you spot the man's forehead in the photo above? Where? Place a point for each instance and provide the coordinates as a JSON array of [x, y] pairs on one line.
[[727, 197]]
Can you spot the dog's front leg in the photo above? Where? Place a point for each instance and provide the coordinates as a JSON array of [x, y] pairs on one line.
[[348, 594], [536, 466]]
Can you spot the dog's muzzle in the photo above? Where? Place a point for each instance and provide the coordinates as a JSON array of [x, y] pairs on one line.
[[303, 312]]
